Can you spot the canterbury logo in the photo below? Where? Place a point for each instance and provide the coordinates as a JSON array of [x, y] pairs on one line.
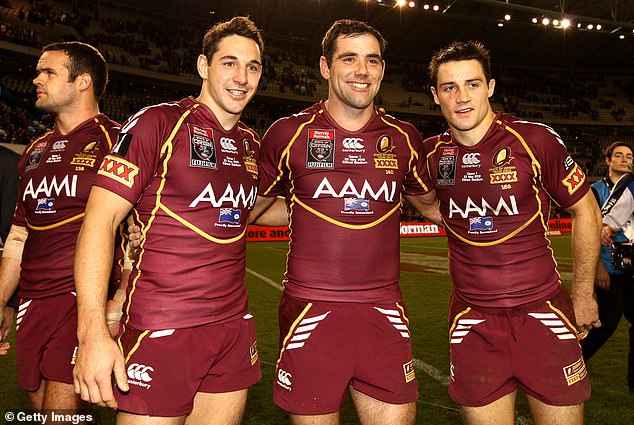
[[471, 159], [140, 372], [353, 143], [462, 329], [284, 377], [228, 144], [555, 324], [303, 331], [394, 317]]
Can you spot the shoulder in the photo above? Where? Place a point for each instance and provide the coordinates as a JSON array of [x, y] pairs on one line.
[[527, 128], [398, 125], [290, 124], [154, 115]]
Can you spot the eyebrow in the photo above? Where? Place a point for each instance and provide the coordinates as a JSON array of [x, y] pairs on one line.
[[372, 55], [471, 80], [236, 58]]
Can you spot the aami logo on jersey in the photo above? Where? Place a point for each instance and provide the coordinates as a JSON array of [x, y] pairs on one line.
[[139, 375], [320, 149], [387, 191], [483, 208], [202, 149], [35, 155], [574, 179], [446, 174], [119, 169], [236, 197], [384, 157], [51, 188], [45, 206], [409, 371], [229, 216]]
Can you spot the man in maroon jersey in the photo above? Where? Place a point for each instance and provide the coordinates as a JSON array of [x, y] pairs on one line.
[[343, 165], [187, 169], [56, 174], [512, 322]]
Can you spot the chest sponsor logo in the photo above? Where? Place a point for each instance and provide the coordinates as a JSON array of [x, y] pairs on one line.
[[483, 207], [202, 149], [574, 179], [352, 144], [250, 163], [50, 187], [236, 197], [45, 206], [502, 171], [386, 191], [385, 157], [35, 156], [320, 149], [119, 170], [60, 145], [87, 156], [446, 175]]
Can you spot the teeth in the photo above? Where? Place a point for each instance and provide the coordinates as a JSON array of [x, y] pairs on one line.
[[360, 85], [238, 92]]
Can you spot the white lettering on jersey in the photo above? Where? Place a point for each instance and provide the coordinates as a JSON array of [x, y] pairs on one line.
[[386, 191], [237, 198], [484, 208], [52, 188]]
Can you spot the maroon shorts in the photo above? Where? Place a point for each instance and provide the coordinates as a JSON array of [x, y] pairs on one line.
[[166, 368], [46, 340], [328, 346], [533, 347]]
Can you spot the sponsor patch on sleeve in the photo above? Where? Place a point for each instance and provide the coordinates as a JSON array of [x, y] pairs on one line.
[[574, 179], [119, 170]]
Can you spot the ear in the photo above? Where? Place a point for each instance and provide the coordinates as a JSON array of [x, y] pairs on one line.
[[202, 66], [435, 95], [383, 73], [84, 82], [323, 68], [491, 87]]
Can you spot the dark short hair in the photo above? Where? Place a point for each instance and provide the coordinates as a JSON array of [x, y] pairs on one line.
[[347, 28], [83, 59], [460, 51], [239, 25], [610, 149]]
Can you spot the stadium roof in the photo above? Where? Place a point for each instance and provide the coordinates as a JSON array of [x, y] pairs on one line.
[[417, 31]]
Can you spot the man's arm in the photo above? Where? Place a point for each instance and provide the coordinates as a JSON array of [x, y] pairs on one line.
[[427, 205], [98, 355], [586, 230], [269, 212], [10, 271]]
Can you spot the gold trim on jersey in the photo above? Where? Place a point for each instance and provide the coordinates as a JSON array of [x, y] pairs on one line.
[[136, 346], [562, 315], [291, 330], [54, 225], [458, 316], [400, 307], [35, 141], [200, 231]]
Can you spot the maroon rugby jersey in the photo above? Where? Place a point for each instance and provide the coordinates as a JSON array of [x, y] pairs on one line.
[[495, 200], [345, 191], [192, 185], [56, 174]]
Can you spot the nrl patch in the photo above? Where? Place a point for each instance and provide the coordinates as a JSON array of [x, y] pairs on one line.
[[384, 158], [408, 370], [575, 372], [320, 149], [446, 174], [574, 179], [35, 156], [250, 163], [202, 149]]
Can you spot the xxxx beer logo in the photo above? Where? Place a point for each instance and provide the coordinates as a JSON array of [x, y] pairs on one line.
[[119, 169], [574, 179], [503, 172], [384, 158]]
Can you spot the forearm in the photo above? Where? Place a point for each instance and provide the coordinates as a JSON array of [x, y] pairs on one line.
[[10, 264], [427, 205], [269, 212], [586, 243]]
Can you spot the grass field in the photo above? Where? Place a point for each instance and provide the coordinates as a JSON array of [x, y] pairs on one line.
[[426, 287]]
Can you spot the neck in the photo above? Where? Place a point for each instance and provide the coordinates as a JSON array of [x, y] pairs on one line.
[[226, 120], [66, 121], [473, 136], [351, 119], [614, 177]]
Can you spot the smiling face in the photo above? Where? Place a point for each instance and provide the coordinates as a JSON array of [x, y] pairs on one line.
[[355, 74], [54, 91], [230, 78], [463, 93]]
